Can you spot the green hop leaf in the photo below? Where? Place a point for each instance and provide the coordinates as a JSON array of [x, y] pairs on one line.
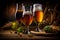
[[19, 30], [48, 29], [14, 25]]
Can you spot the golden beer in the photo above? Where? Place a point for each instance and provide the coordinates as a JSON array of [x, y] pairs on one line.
[[39, 16]]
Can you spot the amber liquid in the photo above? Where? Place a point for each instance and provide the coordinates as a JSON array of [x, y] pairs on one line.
[[19, 15], [39, 16], [27, 19]]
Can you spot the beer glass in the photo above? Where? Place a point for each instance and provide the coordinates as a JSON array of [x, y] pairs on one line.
[[27, 19], [38, 14], [19, 12]]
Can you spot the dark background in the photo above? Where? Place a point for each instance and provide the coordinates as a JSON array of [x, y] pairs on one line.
[[4, 3]]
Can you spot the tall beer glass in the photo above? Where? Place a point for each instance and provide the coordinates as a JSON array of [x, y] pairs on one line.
[[38, 14]]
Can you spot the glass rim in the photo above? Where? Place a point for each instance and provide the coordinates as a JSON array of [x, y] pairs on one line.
[[37, 4]]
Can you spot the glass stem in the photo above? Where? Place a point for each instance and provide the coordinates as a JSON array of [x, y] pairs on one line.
[[27, 30], [38, 29]]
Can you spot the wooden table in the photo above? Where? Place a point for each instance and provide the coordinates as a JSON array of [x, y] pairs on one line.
[[7, 35]]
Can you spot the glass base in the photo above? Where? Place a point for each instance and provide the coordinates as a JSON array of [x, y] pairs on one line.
[[38, 30], [26, 31]]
